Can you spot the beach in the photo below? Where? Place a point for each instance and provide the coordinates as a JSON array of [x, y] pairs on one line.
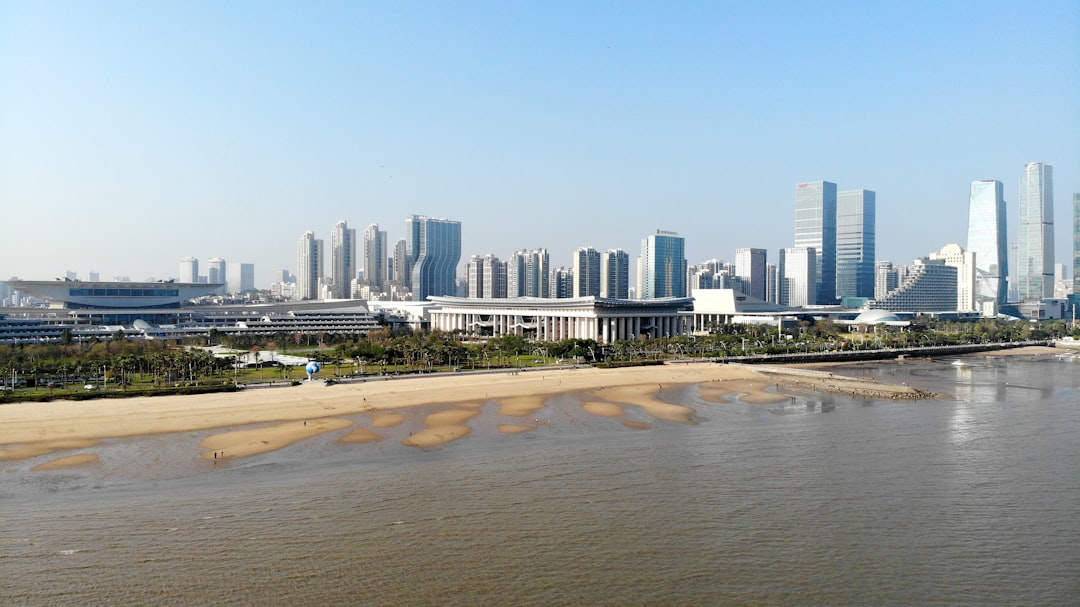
[[256, 421]]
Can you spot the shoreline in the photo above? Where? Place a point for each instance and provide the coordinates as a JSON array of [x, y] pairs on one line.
[[247, 423]]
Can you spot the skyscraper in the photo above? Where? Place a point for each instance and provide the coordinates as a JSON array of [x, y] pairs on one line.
[[402, 267], [663, 266], [241, 278], [215, 273], [1035, 271], [434, 248], [486, 277], [750, 267], [1076, 244], [375, 258], [988, 240], [615, 274], [189, 269], [799, 279], [855, 243], [586, 273], [342, 259], [562, 283], [815, 227], [309, 266]]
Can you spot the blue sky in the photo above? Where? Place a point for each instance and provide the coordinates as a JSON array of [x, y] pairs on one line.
[[133, 134]]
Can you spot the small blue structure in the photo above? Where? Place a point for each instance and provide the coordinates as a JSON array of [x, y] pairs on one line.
[[312, 368]]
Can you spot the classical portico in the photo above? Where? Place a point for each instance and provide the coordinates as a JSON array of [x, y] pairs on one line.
[[601, 319]]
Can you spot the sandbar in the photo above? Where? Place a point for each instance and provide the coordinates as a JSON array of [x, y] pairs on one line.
[[442, 427], [70, 461], [360, 435], [245, 443]]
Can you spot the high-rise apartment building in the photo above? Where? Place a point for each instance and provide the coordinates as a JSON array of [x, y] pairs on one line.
[[1035, 272], [434, 249], [886, 279], [615, 274], [375, 258], [815, 227], [750, 267], [189, 269], [309, 266], [663, 266], [342, 260], [856, 242], [928, 286], [988, 239], [562, 283], [528, 274], [964, 261], [402, 267], [587, 270], [486, 277], [799, 281]]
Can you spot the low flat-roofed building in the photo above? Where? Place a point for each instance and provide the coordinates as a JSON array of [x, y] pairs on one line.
[[543, 319], [76, 294]]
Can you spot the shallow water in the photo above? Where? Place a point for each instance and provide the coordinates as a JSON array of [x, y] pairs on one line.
[[825, 501]]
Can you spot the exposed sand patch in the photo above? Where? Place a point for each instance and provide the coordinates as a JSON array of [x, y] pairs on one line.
[[1024, 351], [44, 447], [245, 443], [450, 417], [387, 420], [68, 462], [360, 435], [520, 406], [515, 428], [856, 387], [637, 425], [604, 409], [442, 427], [645, 397]]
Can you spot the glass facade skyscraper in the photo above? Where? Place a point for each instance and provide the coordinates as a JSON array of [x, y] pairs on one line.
[[987, 238], [1076, 244], [663, 266], [1035, 270], [815, 227], [434, 248], [856, 243]]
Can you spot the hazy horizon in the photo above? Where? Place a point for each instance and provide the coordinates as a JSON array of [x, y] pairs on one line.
[[133, 135]]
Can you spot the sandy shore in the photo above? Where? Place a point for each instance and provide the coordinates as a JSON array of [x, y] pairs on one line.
[[259, 420], [1025, 351]]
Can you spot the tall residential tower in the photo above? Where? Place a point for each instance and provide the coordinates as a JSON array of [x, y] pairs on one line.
[[342, 259], [309, 266]]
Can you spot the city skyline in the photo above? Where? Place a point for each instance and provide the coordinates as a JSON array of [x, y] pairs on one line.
[[535, 126]]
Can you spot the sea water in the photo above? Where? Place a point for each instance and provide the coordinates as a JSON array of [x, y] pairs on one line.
[[827, 500]]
